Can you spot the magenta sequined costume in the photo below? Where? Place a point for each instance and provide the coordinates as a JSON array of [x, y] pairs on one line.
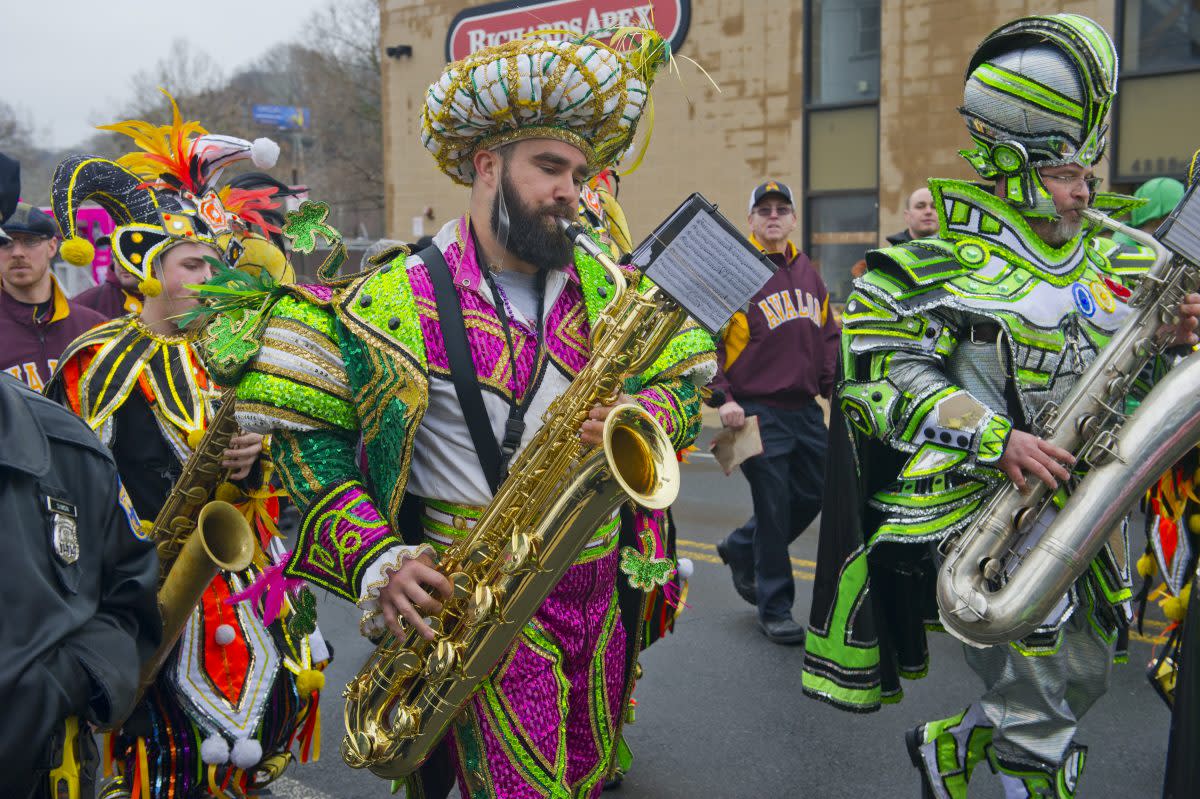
[[544, 724], [374, 367]]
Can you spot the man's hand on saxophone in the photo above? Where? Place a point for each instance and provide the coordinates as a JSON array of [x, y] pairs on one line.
[[243, 451], [415, 590], [412, 594], [1183, 332], [592, 430], [1026, 453]]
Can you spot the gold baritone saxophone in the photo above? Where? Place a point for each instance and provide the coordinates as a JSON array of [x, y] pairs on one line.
[[557, 495], [1004, 574], [195, 536]]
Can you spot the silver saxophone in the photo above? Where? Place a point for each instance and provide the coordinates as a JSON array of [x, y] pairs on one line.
[[1000, 579]]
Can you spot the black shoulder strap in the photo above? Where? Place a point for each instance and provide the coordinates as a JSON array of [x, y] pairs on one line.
[[462, 368]]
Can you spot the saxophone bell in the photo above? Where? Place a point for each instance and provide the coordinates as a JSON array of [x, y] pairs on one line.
[[646, 470], [222, 541]]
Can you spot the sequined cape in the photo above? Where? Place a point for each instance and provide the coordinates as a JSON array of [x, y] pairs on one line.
[[917, 431], [329, 367]]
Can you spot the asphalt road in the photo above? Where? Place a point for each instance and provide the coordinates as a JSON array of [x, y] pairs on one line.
[[720, 713]]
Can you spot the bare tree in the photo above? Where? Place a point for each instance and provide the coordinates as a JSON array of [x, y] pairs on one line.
[[334, 71]]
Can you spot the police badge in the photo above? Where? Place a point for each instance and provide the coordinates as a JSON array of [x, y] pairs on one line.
[[63, 531]]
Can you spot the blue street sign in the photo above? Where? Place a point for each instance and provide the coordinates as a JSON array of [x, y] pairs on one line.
[[284, 117]]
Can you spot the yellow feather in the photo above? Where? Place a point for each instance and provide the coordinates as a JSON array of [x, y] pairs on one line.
[[169, 142]]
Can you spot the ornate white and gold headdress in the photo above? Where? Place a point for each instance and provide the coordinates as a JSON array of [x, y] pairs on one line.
[[583, 91]]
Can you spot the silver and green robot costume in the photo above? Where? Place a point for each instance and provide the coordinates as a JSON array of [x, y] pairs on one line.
[[949, 343]]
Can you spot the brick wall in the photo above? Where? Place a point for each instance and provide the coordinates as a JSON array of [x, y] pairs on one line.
[[723, 143]]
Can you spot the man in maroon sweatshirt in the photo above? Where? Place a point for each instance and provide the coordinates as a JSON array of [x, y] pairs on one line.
[[117, 294], [774, 359], [37, 321]]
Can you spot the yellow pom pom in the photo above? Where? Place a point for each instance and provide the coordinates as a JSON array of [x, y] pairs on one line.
[[228, 492], [150, 287], [308, 681], [1146, 565], [1194, 522], [77, 251], [193, 438], [1174, 608]]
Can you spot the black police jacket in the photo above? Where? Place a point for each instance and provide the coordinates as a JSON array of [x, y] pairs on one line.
[[77, 583]]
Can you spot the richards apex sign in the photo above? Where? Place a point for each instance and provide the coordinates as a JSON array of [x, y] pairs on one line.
[[495, 23]]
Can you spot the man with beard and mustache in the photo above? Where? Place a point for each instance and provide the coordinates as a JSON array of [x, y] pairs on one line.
[[952, 346], [442, 364]]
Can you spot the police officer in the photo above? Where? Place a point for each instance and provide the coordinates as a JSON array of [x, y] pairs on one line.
[[78, 596]]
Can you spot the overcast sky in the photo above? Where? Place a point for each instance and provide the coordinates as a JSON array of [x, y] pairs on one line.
[[68, 63]]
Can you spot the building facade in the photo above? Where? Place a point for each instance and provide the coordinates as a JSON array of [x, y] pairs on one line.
[[851, 102]]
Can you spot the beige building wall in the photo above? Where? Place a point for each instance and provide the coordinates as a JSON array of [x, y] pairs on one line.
[[923, 57], [722, 143]]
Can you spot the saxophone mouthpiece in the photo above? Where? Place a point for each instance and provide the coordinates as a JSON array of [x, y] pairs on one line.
[[572, 230]]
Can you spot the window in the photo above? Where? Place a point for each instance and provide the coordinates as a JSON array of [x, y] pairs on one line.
[[1155, 119], [844, 227], [1156, 126], [843, 38], [841, 138], [847, 140], [1160, 35]]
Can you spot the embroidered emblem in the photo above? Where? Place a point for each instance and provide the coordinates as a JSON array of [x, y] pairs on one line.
[[591, 200], [63, 531], [1120, 292], [1104, 297], [1083, 300], [209, 209]]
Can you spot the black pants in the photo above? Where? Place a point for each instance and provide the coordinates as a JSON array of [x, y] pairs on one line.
[[786, 483]]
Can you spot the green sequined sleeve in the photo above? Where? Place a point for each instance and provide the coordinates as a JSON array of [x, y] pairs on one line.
[[308, 462], [297, 380], [675, 404]]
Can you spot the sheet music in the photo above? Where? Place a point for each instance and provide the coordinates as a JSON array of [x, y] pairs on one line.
[[708, 271]]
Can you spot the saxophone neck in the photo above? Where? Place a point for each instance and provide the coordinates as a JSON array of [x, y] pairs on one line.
[[578, 235], [1162, 256]]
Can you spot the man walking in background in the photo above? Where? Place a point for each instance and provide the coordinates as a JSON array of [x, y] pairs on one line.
[[37, 321], [920, 218], [774, 359]]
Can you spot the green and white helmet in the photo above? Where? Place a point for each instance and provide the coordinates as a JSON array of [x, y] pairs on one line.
[[1038, 93]]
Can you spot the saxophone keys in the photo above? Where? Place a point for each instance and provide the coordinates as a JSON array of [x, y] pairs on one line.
[[404, 664], [406, 720], [481, 605], [443, 661], [357, 750], [461, 582], [520, 553]]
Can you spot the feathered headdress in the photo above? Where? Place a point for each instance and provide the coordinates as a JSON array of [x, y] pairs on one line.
[[164, 193]]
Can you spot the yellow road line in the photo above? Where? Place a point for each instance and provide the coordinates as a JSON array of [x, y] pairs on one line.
[[683, 542], [686, 551], [707, 558]]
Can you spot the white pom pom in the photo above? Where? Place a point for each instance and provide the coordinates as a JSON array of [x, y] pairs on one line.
[[264, 153], [224, 635], [214, 750], [246, 753], [684, 568]]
